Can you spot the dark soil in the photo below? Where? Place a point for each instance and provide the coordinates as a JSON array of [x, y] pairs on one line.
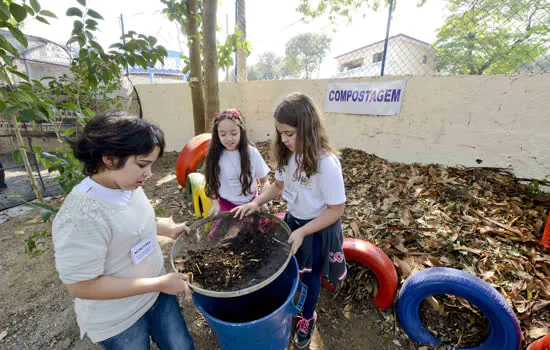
[[459, 324], [242, 260]]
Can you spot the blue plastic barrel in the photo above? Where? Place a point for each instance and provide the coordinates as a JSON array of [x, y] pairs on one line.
[[259, 320]]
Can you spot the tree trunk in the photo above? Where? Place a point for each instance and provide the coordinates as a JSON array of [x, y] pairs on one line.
[[195, 77], [210, 53], [241, 56], [25, 159]]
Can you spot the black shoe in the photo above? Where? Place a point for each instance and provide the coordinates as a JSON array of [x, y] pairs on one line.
[[304, 331]]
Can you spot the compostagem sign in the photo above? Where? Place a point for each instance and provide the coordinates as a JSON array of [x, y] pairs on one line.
[[378, 98]]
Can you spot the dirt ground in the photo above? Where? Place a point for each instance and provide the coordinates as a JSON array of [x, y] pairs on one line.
[[37, 312], [18, 182]]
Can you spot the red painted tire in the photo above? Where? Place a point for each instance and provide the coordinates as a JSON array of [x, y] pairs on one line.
[[541, 344], [191, 155], [379, 263]]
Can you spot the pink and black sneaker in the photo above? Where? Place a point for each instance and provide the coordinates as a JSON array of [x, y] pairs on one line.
[[304, 331]]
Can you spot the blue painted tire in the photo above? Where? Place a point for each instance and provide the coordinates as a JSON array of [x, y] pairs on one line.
[[504, 334]]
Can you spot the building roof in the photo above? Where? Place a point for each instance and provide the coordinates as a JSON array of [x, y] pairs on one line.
[[420, 42], [32, 38]]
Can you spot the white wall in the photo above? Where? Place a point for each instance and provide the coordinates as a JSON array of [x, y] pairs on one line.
[[501, 120], [169, 105]]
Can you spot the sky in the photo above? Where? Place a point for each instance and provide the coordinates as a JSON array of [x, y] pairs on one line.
[[270, 24]]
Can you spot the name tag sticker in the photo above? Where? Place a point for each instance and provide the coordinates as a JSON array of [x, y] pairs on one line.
[[142, 250]]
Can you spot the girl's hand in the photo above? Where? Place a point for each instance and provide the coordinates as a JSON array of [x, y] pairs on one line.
[[175, 283], [177, 230], [264, 208], [245, 210], [215, 209], [295, 240], [167, 228]]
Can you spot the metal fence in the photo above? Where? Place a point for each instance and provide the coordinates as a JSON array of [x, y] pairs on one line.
[[477, 37], [15, 174], [464, 37]]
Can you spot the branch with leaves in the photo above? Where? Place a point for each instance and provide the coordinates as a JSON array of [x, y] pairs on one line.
[[95, 77], [336, 9]]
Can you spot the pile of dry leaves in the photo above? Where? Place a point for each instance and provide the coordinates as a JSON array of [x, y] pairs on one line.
[[480, 220]]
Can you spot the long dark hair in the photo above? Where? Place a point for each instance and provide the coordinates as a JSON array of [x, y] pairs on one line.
[[299, 111], [115, 134], [215, 151]]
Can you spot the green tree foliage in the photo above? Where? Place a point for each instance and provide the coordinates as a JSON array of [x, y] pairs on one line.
[[335, 9], [493, 36], [176, 11], [95, 73], [269, 67], [305, 53]]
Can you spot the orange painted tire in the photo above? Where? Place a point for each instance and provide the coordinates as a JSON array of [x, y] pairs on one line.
[[379, 263], [191, 155], [541, 344]]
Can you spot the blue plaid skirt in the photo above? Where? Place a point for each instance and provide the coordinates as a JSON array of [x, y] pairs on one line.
[[333, 263]]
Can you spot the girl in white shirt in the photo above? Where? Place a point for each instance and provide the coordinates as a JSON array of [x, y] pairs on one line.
[[106, 249], [233, 166], [309, 177]]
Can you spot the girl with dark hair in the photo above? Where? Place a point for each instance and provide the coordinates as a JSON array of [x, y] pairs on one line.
[[106, 250], [309, 176], [233, 166]]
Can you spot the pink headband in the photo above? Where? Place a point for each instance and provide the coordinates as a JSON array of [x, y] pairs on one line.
[[231, 114]]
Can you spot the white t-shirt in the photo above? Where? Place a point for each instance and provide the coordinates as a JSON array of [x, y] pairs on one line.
[[307, 197], [230, 174], [93, 237]]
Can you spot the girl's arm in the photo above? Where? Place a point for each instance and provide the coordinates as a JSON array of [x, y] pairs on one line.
[[108, 287], [328, 217], [273, 191], [170, 229], [264, 185], [215, 208]]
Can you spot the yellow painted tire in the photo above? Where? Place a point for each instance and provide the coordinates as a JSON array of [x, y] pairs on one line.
[[193, 181], [201, 202]]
